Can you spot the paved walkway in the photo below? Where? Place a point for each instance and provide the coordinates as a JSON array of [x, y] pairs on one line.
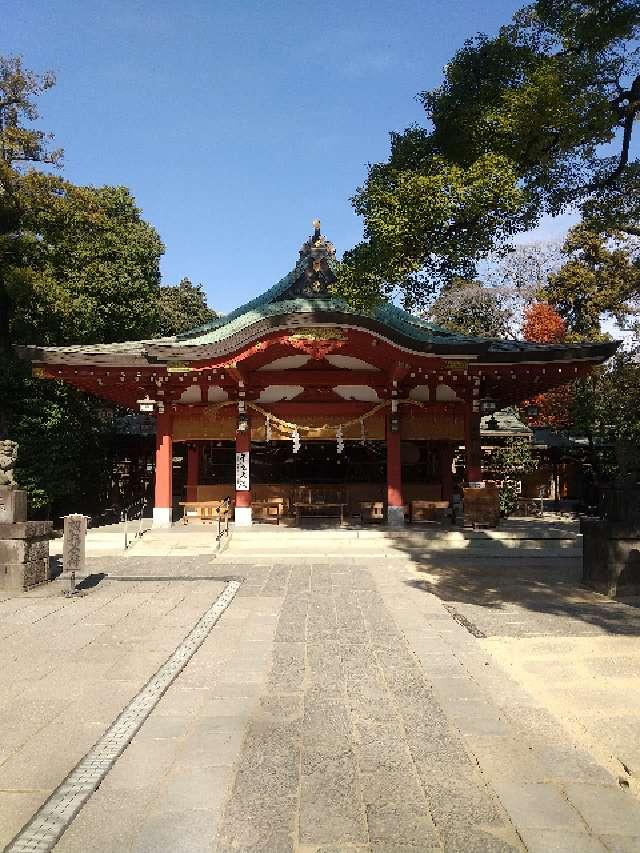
[[370, 704]]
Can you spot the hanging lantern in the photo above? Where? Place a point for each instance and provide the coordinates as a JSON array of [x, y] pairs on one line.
[[268, 432], [339, 440], [295, 437]]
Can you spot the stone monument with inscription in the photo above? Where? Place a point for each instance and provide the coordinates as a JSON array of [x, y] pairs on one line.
[[73, 553], [24, 545]]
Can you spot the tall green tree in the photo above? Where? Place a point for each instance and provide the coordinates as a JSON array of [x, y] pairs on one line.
[[20, 144], [600, 275], [89, 266], [183, 307], [77, 265], [535, 120]]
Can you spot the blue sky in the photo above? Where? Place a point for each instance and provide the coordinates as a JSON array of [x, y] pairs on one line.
[[234, 124]]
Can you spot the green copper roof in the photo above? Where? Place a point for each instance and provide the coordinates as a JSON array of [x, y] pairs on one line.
[[305, 290]]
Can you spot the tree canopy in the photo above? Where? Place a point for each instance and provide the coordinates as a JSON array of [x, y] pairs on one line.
[[470, 308], [542, 324], [88, 265], [600, 275], [183, 307], [77, 265], [535, 120]]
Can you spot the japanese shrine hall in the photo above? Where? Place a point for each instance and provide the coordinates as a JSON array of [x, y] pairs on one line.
[[296, 387]]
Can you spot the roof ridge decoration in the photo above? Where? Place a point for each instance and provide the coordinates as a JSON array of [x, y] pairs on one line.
[[313, 274]]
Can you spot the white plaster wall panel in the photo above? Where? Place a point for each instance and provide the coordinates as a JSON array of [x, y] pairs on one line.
[[445, 393], [356, 392], [216, 394], [274, 393], [349, 362], [191, 394], [287, 362], [420, 392]]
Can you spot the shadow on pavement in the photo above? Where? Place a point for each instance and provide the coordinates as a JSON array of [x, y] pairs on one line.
[[512, 578]]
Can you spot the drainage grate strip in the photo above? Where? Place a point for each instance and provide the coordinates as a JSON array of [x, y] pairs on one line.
[[56, 814]]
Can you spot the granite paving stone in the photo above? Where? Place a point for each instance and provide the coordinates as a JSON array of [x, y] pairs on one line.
[[333, 708]]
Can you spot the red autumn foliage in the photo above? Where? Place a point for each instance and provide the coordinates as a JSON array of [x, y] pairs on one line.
[[543, 325]]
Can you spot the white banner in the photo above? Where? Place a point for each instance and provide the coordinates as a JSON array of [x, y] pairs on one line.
[[242, 472]]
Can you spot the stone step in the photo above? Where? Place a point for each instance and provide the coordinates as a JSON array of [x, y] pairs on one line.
[[485, 566], [419, 537], [498, 548]]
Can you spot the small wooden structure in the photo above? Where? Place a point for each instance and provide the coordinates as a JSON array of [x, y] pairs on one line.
[[482, 507]]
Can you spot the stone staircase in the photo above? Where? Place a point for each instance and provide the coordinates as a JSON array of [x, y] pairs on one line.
[[541, 543]]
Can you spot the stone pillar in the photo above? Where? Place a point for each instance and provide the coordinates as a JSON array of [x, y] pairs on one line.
[[446, 472], [163, 504], [395, 507], [242, 515], [24, 545], [193, 471], [473, 450]]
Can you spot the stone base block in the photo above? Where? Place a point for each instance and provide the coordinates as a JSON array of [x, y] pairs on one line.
[[395, 516], [24, 554], [162, 516], [243, 516], [13, 505]]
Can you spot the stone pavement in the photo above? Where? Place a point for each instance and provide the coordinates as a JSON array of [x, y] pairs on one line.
[[335, 706]]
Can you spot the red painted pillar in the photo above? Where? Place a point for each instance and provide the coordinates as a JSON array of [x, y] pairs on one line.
[[163, 505], [243, 495], [395, 509], [473, 450], [446, 473], [193, 471]]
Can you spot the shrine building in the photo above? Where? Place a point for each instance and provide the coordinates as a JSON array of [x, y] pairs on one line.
[[298, 388]]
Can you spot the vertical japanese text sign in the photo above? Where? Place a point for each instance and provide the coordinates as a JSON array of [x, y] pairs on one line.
[[242, 471]]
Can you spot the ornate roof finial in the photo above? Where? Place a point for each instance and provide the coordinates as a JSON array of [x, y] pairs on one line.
[[316, 225]]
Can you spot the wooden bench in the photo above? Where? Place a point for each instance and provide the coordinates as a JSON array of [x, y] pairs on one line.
[[529, 507], [269, 510], [209, 512], [372, 511], [206, 512], [316, 502], [316, 509], [425, 512]]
